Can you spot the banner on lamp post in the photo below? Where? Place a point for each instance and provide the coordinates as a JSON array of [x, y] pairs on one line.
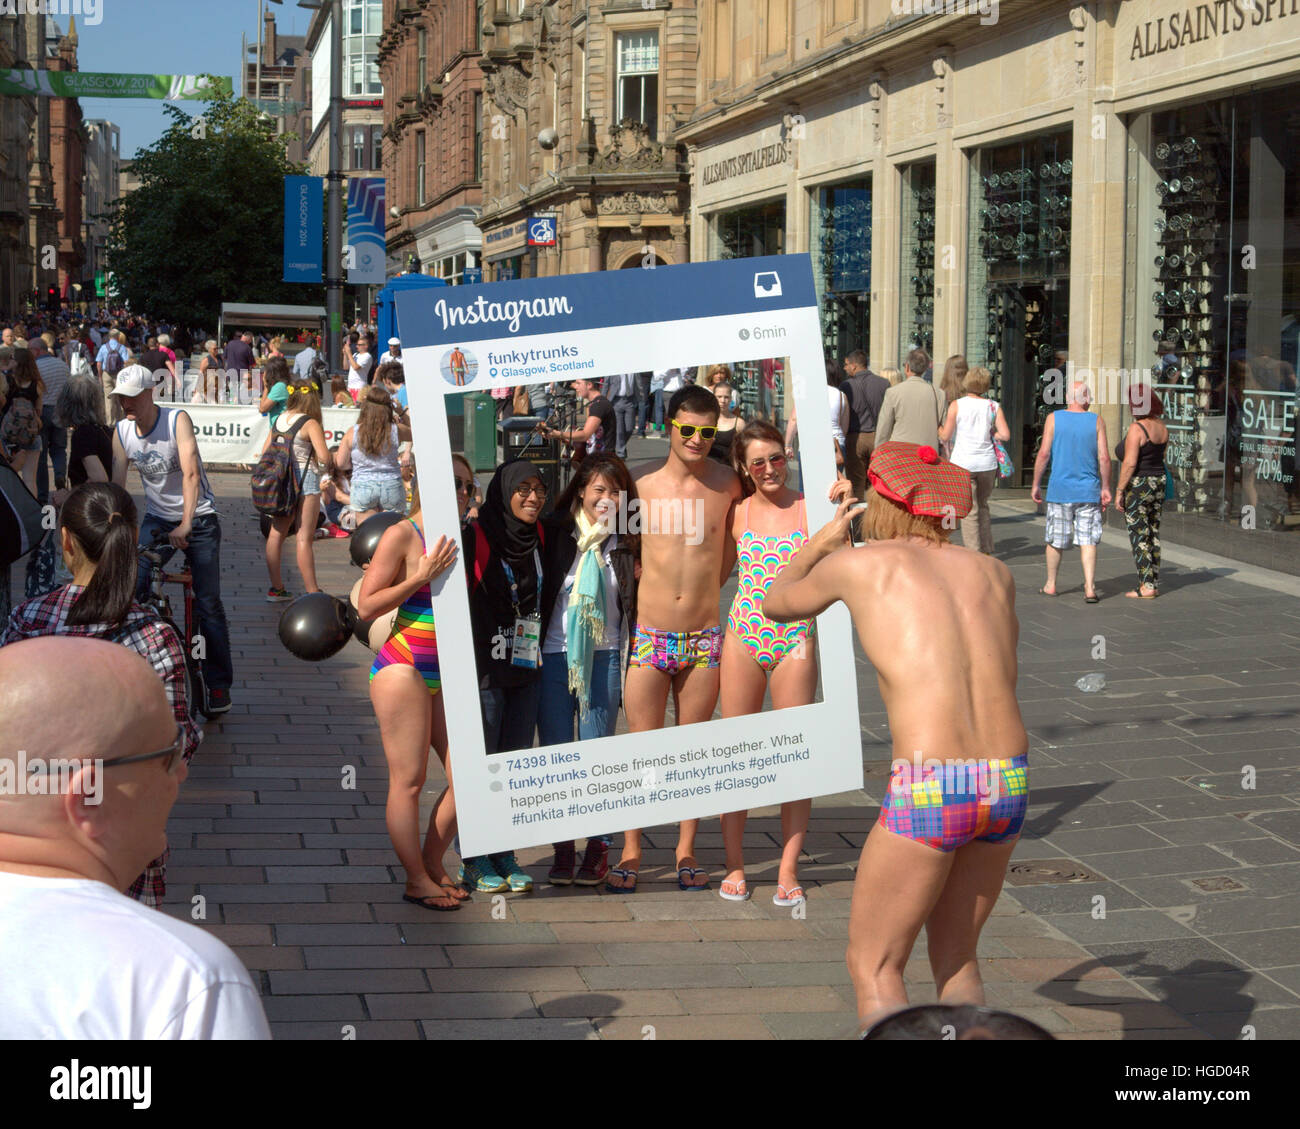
[[89, 84], [303, 211], [366, 246]]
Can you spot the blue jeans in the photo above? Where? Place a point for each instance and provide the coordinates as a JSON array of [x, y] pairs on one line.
[[54, 443], [203, 557], [625, 423], [659, 407], [643, 399], [560, 707], [509, 716]]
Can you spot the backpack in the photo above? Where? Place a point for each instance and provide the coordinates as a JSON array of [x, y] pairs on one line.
[[20, 517], [275, 481], [114, 361], [78, 361], [21, 426]]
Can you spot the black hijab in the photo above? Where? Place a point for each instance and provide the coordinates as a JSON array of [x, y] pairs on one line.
[[513, 539]]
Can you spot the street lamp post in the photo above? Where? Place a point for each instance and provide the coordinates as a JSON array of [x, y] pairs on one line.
[[333, 189]]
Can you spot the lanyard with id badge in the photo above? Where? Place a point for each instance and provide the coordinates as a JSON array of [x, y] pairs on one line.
[[526, 650]]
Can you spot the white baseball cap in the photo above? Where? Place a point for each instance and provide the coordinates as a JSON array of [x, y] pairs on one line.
[[132, 380], [395, 341]]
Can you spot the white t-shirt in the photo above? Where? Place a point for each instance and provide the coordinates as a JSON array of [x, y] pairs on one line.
[[557, 630], [85, 962], [838, 403], [386, 356], [357, 376]]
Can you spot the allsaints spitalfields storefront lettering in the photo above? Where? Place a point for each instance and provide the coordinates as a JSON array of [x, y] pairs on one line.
[[752, 161], [1206, 21]]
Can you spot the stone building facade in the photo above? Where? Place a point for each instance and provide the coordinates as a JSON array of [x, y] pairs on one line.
[[103, 166], [363, 113], [1107, 187], [68, 169], [582, 107], [428, 60], [19, 35]]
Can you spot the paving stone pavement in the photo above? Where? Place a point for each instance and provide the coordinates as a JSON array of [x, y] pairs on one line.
[[1171, 797]]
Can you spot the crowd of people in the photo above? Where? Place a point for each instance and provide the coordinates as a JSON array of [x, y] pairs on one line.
[[573, 618]]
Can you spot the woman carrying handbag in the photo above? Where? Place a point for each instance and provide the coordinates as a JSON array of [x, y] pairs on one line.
[[977, 428]]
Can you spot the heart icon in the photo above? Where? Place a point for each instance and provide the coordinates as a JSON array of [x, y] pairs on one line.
[[494, 767]]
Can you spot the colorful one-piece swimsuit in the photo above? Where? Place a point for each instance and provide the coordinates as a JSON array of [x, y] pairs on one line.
[[413, 640], [760, 559]]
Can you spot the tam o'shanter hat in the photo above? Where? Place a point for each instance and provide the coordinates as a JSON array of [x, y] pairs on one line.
[[918, 479]]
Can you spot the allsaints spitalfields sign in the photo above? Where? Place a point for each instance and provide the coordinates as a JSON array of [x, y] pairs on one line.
[[1198, 22]]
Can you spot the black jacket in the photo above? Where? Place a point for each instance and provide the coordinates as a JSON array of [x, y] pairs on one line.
[[492, 612], [557, 558]]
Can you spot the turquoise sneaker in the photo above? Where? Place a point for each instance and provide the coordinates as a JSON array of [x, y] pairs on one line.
[[507, 864], [478, 873]]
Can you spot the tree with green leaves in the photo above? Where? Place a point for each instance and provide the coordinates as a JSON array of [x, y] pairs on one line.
[[206, 224]]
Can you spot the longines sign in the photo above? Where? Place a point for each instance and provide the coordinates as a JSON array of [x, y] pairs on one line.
[[752, 161], [1196, 23]]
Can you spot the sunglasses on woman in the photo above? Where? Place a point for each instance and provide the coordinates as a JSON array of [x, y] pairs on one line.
[[776, 462], [464, 486], [688, 430]]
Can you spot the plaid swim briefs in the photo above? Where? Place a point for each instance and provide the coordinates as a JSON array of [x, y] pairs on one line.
[[946, 805], [673, 651], [1073, 523]]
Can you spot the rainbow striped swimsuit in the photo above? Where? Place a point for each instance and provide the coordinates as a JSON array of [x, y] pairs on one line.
[[760, 559], [413, 641]]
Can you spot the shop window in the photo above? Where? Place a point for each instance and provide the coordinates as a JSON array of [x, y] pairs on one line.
[[637, 81], [1218, 186], [841, 256], [747, 233], [916, 286], [1018, 286]]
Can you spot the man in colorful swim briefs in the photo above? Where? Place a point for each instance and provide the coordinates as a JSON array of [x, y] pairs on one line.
[[938, 623], [686, 501]]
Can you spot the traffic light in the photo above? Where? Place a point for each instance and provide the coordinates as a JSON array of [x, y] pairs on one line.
[[51, 297]]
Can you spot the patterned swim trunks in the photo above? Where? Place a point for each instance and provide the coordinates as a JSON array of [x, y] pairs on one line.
[[947, 804], [674, 651]]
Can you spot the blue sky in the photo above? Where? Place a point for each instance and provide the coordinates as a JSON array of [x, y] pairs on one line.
[[167, 37]]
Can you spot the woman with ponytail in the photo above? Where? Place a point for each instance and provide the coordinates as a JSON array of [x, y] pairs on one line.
[[97, 527]]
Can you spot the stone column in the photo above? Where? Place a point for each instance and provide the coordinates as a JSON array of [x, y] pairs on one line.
[[595, 258], [681, 248]]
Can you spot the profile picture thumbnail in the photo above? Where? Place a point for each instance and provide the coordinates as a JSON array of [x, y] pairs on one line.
[[459, 366]]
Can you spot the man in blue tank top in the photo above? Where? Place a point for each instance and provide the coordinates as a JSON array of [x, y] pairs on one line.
[[1074, 442], [179, 502]]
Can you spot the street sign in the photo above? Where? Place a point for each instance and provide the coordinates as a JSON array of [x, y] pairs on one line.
[[541, 231], [473, 276]]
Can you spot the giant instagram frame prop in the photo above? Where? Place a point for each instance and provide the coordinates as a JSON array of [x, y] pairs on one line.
[[595, 325]]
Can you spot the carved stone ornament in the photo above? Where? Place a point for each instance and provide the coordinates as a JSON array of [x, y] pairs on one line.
[[631, 148], [508, 88], [634, 204], [875, 88], [942, 66], [1079, 21]]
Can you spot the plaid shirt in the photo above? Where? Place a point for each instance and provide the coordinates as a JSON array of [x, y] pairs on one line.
[[155, 641]]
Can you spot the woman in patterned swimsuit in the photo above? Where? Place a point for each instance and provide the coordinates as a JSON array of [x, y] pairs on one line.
[[759, 655], [404, 690]]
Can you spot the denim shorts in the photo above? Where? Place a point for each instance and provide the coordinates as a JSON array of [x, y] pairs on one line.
[[311, 482], [378, 494]]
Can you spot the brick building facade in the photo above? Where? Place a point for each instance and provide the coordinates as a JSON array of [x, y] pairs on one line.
[[581, 108], [428, 62], [68, 168]]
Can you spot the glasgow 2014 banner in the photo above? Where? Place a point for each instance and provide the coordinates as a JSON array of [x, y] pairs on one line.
[[89, 84], [302, 228], [365, 249]]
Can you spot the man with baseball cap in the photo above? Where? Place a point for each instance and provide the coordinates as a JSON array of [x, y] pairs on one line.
[[180, 503], [938, 623], [393, 353]]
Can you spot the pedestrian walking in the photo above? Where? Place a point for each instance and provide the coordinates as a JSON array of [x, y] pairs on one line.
[[588, 606], [911, 411], [760, 656], [972, 423], [1140, 492], [622, 395], [372, 451], [1074, 443]]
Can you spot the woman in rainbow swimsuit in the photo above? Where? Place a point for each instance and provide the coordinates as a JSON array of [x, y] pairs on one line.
[[405, 691], [758, 655]]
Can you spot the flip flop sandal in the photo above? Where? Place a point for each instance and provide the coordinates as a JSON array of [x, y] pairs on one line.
[[786, 898], [1138, 594], [1093, 599], [742, 886], [1049, 595], [691, 872], [626, 875], [457, 891], [427, 901]]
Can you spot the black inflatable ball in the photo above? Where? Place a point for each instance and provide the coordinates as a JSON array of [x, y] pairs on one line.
[[316, 626], [365, 540], [265, 523]]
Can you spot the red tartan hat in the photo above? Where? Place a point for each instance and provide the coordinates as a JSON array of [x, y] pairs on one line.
[[920, 480]]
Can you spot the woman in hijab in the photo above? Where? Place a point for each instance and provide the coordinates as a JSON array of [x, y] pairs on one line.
[[505, 587]]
